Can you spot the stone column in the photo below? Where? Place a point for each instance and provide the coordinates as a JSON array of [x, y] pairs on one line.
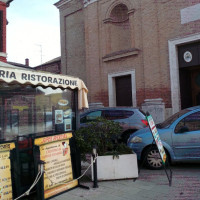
[[156, 108]]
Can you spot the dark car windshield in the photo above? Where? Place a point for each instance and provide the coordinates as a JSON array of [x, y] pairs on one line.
[[171, 119]]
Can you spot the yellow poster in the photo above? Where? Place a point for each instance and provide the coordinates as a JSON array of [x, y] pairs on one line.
[[55, 152], [5, 171]]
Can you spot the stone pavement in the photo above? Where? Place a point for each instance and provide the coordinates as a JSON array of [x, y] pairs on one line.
[[151, 185]]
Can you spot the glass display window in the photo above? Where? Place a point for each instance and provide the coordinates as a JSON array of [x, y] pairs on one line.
[[26, 109]]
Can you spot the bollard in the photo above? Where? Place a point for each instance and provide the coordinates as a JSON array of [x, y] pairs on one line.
[[95, 182]]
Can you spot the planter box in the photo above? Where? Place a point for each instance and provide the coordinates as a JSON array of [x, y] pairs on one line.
[[124, 167]]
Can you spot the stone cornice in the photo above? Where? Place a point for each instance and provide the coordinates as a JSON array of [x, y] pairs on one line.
[[88, 2], [120, 54], [4, 1], [61, 3], [2, 54]]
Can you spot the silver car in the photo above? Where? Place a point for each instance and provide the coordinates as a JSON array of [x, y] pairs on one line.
[[130, 119]]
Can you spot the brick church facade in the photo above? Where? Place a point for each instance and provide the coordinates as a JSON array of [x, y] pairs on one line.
[[132, 51]]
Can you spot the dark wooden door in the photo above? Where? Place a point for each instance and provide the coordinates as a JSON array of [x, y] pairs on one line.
[[185, 88], [195, 82], [123, 91]]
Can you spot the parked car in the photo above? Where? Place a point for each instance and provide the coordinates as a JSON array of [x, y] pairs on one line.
[[180, 135], [131, 119]]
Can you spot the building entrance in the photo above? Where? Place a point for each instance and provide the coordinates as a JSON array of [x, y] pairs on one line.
[[189, 74], [195, 83], [123, 91], [190, 87]]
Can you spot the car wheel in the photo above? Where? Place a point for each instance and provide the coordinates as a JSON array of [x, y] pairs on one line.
[[152, 158]]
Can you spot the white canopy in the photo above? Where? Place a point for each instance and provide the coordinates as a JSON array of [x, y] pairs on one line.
[[10, 73]]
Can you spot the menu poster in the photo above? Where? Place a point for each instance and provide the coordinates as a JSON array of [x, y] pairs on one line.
[[58, 116], [157, 138], [68, 124], [5, 171], [55, 152]]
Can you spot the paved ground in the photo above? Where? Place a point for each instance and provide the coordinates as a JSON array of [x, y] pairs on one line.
[[151, 185]]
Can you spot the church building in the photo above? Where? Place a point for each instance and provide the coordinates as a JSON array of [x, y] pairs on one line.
[[133, 52]]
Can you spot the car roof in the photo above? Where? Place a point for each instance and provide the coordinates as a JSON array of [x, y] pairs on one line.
[[110, 108], [193, 108]]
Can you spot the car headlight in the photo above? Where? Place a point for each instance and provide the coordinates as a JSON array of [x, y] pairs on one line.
[[136, 139]]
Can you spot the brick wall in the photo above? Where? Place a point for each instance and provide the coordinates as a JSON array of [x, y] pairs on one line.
[[152, 24], [53, 66], [3, 52]]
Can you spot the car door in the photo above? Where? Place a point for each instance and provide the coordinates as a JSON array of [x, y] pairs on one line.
[[186, 137]]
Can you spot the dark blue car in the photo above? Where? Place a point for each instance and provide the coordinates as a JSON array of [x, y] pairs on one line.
[[180, 135]]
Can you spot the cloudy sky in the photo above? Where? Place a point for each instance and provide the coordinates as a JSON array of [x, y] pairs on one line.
[[33, 31]]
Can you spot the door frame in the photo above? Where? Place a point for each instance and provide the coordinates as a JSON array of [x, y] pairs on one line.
[[112, 87], [174, 68]]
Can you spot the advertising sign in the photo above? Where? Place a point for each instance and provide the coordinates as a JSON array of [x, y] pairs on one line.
[[55, 152], [5, 171], [157, 138], [68, 124], [58, 116]]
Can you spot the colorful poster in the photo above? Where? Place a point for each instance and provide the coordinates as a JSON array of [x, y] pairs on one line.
[[55, 152], [68, 124], [5, 171], [157, 138], [58, 116]]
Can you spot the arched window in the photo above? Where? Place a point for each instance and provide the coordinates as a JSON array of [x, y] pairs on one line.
[[118, 29], [119, 13]]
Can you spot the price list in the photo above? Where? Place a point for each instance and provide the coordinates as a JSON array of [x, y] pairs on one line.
[[58, 168], [58, 176], [5, 171]]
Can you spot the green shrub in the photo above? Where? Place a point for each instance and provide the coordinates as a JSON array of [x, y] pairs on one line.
[[102, 134]]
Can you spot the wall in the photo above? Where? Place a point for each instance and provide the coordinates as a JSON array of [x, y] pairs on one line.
[[3, 54], [53, 66], [153, 23], [72, 38]]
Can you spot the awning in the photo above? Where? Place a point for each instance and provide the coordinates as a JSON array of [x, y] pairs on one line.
[[10, 73]]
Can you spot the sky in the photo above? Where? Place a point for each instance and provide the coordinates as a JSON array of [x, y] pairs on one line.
[[33, 31]]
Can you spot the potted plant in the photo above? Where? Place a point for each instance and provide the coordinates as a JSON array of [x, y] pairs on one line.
[[115, 160]]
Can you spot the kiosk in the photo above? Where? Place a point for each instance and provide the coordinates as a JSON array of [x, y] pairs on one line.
[[38, 117]]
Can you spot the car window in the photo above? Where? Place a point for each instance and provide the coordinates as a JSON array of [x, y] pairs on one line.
[[171, 119], [128, 113], [189, 123], [142, 112], [117, 114], [92, 116]]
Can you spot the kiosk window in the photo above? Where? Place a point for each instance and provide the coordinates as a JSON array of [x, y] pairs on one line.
[[28, 110]]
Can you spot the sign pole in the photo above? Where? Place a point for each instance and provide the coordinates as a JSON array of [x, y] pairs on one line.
[[157, 141], [159, 146]]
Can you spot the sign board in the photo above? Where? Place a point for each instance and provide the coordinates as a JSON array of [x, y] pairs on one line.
[[10, 73], [157, 139], [55, 152], [5, 171]]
